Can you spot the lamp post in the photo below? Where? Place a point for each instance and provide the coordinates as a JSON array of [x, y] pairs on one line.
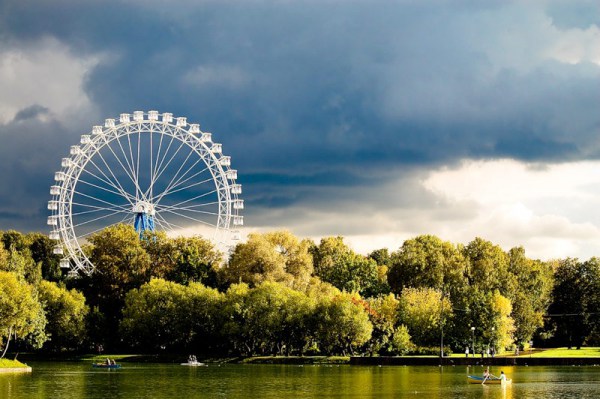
[[492, 341], [473, 340]]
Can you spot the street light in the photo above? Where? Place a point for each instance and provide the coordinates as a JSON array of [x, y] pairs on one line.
[[473, 339], [492, 341]]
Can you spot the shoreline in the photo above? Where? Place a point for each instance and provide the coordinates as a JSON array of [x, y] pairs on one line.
[[5, 370], [458, 361]]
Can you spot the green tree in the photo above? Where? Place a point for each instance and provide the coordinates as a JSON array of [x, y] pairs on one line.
[[66, 312], [341, 324], [204, 318], [488, 267], [18, 257], [568, 307], [427, 261], [384, 318], [153, 316], [278, 256], [41, 248], [195, 260], [21, 313], [421, 310], [338, 265], [531, 296], [121, 265]]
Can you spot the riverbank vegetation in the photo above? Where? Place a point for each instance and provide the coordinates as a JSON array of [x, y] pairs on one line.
[[11, 364], [277, 294]]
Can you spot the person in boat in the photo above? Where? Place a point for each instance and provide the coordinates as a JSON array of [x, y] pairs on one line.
[[486, 373], [502, 376]]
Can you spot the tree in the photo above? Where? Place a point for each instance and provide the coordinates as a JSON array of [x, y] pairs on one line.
[[384, 318], [153, 316], [531, 296], [121, 265], [427, 261], [66, 312], [421, 310], [568, 307], [17, 257], [195, 260], [341, 324], [278, 256], [338, 265], [488, 267], [204, 318], [21, 313], [502, 335], [41, 248]]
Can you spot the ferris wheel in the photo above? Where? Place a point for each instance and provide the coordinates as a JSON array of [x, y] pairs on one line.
[[151, 170]]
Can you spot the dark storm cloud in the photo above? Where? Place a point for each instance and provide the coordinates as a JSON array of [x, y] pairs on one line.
[[317, 94]]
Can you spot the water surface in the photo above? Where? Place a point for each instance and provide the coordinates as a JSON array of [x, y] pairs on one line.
[[79, 380]]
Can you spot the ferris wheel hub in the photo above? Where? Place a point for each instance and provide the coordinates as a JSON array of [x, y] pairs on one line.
[[144, 207]]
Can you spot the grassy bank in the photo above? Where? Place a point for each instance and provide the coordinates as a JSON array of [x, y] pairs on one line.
[[11, 364], [565, 352]]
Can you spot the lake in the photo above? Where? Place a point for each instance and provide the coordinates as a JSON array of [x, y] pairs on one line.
[[63, 380]]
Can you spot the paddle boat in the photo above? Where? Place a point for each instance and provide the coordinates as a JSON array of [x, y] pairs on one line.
[[474, 379], [106, 366], [193, 362]]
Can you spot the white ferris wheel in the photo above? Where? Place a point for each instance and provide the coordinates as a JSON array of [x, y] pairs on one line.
[[151, 170]]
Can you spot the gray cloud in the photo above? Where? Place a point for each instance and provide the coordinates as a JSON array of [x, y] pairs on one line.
[[312, 98]]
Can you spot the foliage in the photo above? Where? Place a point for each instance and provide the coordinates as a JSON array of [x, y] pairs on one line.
[[421, 310], [154, 316], [338, 265], [427, 261], [401, 343], [278, 256], [66, 312], [341, 324], [21, 313]]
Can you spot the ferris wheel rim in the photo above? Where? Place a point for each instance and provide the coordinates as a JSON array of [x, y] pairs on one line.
[[224, 178]]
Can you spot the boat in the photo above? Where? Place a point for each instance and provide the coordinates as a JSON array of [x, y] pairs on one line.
[[106, 366], [193, 363], [474, 379]]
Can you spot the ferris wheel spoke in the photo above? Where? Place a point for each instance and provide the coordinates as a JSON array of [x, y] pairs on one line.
[[99, 187], [190, 206], [103, 208], [165, 194], [169, 162], [107, 182], [99, 210], [161, 221], [125, 193], [133, 180], [131, 162], [137, 169], [176, 184], [116, 184], [188, 210], [97, 199], [174, 175], [104, 227], [192, 199], [188, 217], [96, 219], [158, 165]]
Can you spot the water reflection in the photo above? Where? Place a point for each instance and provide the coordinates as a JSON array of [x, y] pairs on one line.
[[77, 380]]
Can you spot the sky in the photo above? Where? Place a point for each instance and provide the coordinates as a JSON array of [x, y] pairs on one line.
[[374, 120]]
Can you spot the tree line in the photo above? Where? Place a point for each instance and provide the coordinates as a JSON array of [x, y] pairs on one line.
[[278, 294]]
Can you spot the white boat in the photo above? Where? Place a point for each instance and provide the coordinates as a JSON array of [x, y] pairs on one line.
[[193, 363]]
